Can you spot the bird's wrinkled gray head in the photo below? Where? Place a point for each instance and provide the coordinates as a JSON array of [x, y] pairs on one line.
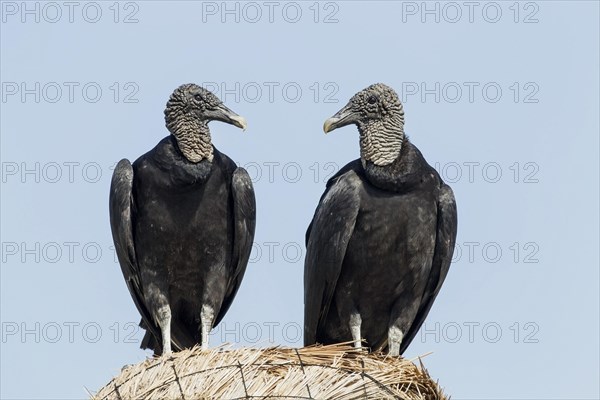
[[189, 110], [379, 116]]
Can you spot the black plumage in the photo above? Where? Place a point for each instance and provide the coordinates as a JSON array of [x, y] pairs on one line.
[[382, 237], [183, 218]]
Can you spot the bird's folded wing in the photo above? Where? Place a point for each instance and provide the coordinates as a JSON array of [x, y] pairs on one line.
[[327, 239], [442, 256], [121, 223], [244, 217]]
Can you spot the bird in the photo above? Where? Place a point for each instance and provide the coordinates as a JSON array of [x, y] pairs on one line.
[[183, 217], [381, 240]]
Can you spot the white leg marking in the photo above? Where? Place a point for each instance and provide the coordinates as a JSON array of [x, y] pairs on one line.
[[207, 317], [164, 323], [395, 336], [355, 322]]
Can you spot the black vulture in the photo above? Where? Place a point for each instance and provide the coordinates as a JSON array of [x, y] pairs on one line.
[[182, 219], [381, 240]]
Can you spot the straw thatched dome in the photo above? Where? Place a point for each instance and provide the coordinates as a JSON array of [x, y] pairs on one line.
[[318, 372]]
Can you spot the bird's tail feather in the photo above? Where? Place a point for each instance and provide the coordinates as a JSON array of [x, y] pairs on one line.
[[180, 339], [149, 341]]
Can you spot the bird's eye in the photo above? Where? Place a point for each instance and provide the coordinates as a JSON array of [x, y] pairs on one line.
[[197, 97], [372, 99]]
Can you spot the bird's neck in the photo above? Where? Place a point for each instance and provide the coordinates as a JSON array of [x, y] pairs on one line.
[[193, 138], [381, 141]]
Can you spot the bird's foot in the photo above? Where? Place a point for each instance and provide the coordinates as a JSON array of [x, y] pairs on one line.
[[167, 346], [164, 323], [355, 322], [395, 336], [204, 344], [207, 316]]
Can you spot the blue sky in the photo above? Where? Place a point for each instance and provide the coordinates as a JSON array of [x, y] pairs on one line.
[[501, 97]]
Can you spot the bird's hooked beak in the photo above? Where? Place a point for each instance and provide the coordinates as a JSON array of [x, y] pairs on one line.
[[224, 114], [342, 118]]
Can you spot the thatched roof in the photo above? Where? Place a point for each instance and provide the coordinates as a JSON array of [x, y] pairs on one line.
[[316, 372]]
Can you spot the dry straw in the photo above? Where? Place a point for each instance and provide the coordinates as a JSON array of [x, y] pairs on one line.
[[316, 372]]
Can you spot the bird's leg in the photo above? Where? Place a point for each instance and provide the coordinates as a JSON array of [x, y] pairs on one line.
[[164, 323], [158, 304], [207, 317], [395, 336], [355, 322]]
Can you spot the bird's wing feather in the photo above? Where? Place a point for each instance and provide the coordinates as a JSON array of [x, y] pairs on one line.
[[354, 166], [121, 223], [327, 239], [442, 256], [244, 215]]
